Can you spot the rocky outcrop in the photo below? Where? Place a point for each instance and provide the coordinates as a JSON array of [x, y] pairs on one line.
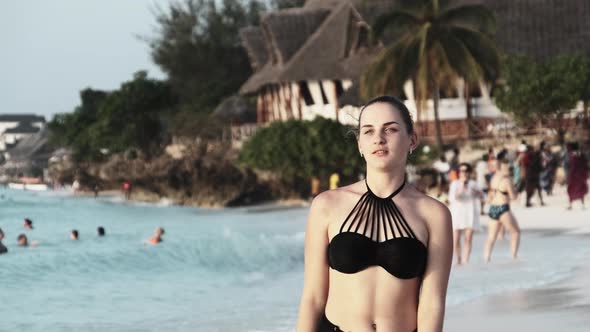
[[205, 176]]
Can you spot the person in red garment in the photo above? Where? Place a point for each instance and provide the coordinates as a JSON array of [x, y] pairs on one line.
[[157, 238], [577, 178]]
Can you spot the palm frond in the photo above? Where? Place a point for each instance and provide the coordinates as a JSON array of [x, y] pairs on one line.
[[458, 58], [395, 22], [473, 17], [483, 49]]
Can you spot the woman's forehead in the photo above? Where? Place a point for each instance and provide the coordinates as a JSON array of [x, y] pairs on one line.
[[379, 113]]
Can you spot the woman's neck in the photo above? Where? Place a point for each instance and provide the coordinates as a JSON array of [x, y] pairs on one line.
[[383, 184]]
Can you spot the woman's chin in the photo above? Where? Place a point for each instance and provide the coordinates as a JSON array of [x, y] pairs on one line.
[[382, 165]]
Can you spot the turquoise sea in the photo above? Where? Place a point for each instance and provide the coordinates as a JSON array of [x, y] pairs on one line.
[[217, 269]]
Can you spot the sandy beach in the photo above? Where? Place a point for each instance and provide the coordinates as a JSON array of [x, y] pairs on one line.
[[561, 305]]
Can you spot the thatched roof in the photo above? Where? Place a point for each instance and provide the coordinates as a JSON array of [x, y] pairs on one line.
[[315, 42], [253, 42], [306, 44]]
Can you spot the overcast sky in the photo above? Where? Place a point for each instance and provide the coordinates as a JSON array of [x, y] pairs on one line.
[[51, 49]]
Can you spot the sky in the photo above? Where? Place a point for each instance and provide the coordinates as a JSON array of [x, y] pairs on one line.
[[52, 49]]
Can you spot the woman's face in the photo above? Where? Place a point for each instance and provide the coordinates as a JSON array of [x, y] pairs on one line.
[[383, 138], [464, 173]]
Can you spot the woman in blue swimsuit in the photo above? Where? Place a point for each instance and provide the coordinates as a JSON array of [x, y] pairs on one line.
[[377, 252], [499, 196]]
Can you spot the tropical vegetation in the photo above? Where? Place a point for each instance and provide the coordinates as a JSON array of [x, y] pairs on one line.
[[301, 149], [543, 92], [433, 43]]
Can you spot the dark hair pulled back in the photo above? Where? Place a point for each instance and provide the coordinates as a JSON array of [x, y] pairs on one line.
[[397, 104]]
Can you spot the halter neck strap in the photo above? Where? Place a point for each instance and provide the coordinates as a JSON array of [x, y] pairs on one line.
[[392, 194]]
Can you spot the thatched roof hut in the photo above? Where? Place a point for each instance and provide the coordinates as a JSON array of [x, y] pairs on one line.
[[307, 61]]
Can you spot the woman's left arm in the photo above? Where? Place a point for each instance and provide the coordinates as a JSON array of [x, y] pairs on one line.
[[431, 307]]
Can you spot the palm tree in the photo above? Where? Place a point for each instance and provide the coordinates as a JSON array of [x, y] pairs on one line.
[[434, 42]]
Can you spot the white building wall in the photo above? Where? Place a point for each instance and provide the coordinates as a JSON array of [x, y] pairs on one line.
[[449, 108], [7, 125]]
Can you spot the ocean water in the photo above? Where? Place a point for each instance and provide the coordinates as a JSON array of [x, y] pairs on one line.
[[217, 270]]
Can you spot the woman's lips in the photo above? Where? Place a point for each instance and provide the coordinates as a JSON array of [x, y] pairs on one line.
[[380, 152]]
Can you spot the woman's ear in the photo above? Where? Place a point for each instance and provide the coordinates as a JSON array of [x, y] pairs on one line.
[[413, 141]]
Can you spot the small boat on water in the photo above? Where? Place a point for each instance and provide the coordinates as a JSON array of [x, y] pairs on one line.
[[28, 186]]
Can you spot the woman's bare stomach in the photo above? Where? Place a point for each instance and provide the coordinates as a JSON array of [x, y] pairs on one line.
[[372, 300], [499, 201]]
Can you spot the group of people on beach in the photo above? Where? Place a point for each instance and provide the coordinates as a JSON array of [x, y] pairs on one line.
[[23, 240], [499, 178]]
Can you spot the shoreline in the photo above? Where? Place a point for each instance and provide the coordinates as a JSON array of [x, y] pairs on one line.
[[561, 304], [141, 197]]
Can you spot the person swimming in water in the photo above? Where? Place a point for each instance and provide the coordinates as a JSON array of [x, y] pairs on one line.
[[100, 231], [22, 240], [28, 223], [157, 238], [378, 252], [74, 235]]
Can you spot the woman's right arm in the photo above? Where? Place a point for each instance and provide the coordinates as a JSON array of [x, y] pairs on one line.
[[315, 284], [512, 194]]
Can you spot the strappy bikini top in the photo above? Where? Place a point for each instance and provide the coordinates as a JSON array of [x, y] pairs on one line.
[[376, 233]]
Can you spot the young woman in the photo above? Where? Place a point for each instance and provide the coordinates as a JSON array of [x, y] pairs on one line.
[[465, 196], [499, 197], [377, 252]]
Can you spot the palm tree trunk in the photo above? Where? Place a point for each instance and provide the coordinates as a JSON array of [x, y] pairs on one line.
[[469, 111], [585, 105], [435, 100]]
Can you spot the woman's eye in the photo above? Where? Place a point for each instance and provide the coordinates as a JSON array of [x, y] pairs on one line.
[[390, 130], [368, 132]]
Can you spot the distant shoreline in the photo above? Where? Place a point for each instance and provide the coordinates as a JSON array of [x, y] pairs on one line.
[[142, 197]]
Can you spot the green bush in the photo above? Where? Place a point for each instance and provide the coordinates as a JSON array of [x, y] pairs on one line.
[[301, 149]]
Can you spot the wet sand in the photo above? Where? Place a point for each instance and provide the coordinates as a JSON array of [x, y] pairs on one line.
[[564, 305]]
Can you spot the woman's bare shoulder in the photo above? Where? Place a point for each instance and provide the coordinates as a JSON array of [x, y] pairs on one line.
[[330, 199]]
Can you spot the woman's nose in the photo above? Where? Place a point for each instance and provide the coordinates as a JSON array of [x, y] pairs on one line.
[[379, 139]]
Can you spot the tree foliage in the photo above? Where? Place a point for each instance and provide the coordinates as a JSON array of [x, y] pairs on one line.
[[197, 45], [301, 149], [127, 118], [436, 41], [542, 92]]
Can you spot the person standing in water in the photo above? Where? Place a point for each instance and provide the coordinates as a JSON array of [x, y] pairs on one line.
[[3, 248], [499, 196], [377, 252], [465, 197]]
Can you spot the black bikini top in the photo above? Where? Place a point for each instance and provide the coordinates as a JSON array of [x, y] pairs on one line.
[[377, 234], [499, 191]]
